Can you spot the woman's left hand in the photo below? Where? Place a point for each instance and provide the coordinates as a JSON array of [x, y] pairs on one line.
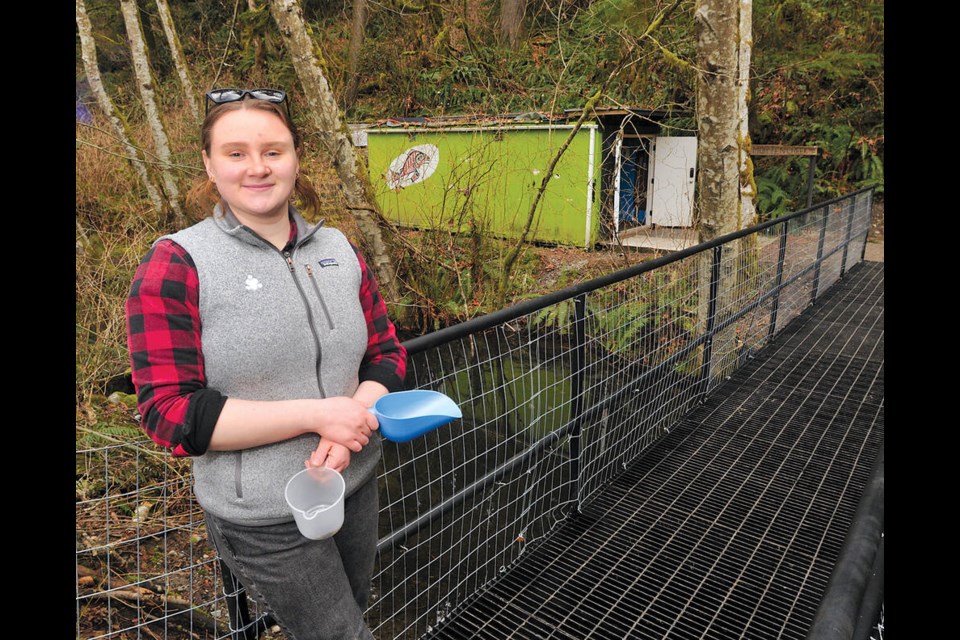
[[329, 454]]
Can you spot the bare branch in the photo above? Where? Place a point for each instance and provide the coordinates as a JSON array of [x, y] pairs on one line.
[[176, 50], [226, 47], [587, 110]]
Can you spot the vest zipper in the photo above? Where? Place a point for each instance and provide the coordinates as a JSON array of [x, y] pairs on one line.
[[316, 288], [316, 339]]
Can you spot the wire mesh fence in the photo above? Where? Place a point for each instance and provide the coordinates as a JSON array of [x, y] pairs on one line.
[[558, 395]]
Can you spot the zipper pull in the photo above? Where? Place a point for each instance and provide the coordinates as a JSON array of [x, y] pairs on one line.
[[286, 255]]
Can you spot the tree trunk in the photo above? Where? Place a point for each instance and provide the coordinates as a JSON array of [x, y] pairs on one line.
[[748, 186], [141, 67], [89, 54], [335, 137], [748, 272], [722, 80], [176, 52], [717, 25], [511, 19], [357, 33]]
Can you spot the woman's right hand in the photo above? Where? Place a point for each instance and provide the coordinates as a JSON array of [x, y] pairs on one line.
[[329, 454], [344, 420]]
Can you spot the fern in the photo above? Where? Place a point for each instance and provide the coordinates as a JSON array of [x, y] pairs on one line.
[[558, 316], [621, 327], [772, 200], [102, 435]]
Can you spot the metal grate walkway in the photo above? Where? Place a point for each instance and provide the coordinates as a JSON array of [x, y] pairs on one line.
[[731, 525]]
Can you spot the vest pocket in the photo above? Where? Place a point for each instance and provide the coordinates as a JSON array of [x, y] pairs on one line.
[[238, 475]]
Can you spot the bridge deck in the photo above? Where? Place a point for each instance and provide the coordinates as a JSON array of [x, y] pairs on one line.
[[731, 525]]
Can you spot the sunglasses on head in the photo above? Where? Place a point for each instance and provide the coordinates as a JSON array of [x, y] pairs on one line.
[[221, 96]]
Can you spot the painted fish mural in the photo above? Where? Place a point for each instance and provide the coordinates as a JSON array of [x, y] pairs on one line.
[[414, 165]]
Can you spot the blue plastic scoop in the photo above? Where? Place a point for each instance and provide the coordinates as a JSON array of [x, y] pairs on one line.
[[404, 415]]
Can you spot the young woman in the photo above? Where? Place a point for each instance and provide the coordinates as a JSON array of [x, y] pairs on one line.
[[257, 343]]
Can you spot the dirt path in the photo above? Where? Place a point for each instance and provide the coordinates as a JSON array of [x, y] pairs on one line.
[[874, 251]]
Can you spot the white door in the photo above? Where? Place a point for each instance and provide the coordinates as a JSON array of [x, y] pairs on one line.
[[671, 181]]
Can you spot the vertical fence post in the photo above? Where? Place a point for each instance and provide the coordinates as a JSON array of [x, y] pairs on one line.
[[866, 234], [577, 385], [711, 320], [811, 173], [850, 206], [781, 257], [241, 626], [816, 271]]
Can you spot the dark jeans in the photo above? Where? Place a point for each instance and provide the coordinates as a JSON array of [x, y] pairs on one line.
[[316, 589]]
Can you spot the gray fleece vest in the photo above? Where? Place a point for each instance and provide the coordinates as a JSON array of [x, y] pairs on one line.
[[274, 327]]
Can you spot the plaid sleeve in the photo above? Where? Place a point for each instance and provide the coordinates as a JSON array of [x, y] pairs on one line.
[[163, 337], [386, 359]]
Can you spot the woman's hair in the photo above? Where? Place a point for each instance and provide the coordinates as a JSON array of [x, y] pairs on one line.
[[203, 194]]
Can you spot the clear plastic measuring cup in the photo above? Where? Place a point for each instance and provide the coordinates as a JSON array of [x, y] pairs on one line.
[[315, 497]]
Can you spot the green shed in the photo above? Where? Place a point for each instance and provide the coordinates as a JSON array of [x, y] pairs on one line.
[[486, 176]]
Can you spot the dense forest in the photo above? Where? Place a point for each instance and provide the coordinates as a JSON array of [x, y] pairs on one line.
[[817, 79], [817, 66]]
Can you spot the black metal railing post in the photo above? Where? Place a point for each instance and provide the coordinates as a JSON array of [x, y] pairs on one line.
[[781, 258], [577, 386], [241, 626], [866, 233], [820, 243], [704, 382], [850, 206]]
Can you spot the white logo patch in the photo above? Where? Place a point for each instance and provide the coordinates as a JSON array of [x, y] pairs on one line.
[[253, 284]]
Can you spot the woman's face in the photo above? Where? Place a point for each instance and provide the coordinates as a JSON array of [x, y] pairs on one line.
[[254, 164]]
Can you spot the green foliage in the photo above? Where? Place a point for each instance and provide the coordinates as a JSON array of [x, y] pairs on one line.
[[644, 319], [557, 316], [772, 200], [257, 33], [621, 327], [818, 80], [103, 434], [458, 89], [849, 160]]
